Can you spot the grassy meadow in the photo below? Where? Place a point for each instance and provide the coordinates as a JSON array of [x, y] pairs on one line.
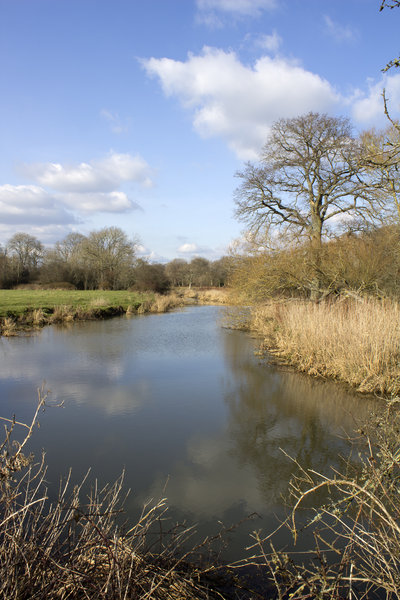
[[26, 308], [17, 302]]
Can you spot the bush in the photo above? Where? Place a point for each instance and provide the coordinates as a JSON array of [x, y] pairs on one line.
[[357, 532]]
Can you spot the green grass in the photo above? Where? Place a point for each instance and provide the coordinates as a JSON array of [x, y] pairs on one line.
[[18, 302]]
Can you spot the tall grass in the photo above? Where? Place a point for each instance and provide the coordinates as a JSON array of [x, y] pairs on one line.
[[357, 342]]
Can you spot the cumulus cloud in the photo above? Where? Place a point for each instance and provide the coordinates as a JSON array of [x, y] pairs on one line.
[[368, 108], [239, 102], [270, 42], [340, 33], [187, 248], [31, 205], [95, 176], [114, 202]]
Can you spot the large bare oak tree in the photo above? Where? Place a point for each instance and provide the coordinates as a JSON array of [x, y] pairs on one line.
[[309, 175]]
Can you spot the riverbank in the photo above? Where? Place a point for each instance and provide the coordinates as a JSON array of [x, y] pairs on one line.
[[24, 309], [356, 341]]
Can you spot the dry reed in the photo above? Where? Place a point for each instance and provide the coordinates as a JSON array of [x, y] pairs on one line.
[[38, 317], [356, 531], [98, 302], [213, 296], [357, 342], [62, 314], [8, 327]]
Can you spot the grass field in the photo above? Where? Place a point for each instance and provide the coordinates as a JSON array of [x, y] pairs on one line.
[[18, 302]]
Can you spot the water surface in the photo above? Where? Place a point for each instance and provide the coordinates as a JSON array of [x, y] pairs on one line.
[[184, 406]]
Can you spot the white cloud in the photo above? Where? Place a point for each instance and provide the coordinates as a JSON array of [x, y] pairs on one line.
[[251, 8], [238, 102], [367, 108], [31, 205], [114, 202], [96, 176], [341, 33], [187, 248], [115, 121], [216, 13], [270, 42]]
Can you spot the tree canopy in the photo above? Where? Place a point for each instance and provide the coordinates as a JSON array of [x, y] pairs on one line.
[[309, 173]]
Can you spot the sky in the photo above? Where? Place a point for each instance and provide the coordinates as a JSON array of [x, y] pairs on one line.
[[138, 113]]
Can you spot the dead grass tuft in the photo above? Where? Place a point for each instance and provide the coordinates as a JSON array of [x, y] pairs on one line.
[[8, 327], [98, 302], [213, 296], [62, 314], [38, 317]]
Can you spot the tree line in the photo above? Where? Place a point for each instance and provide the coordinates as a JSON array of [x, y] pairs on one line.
[[103, 259]]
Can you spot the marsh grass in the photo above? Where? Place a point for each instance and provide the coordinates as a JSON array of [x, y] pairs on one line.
[[355, 341], [210, 296], [213, 296], [8, 327], [38, 317]]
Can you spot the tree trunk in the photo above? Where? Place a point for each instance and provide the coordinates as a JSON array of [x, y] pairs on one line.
[[316, 246]]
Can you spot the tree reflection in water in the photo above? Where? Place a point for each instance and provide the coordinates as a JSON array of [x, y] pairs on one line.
[[275, 414]]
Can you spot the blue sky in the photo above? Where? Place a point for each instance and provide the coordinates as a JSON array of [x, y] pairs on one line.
[[138, 113]]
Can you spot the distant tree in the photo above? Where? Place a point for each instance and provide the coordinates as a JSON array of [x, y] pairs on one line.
[[109, 256], [219, 271], [151, 277], [26, 252], [176, 271], [200, 268], [70, 260], [308, 175], [3, 267], [70, 247]]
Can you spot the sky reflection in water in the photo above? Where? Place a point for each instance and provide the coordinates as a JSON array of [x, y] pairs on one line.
[[176, 398]]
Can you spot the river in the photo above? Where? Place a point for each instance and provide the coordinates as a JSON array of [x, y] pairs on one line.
[[185, 407]]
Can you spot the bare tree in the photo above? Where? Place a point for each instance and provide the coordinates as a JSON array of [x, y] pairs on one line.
[[109, 255], [309, 174], [176, 271], [26, 252], [381, 151]]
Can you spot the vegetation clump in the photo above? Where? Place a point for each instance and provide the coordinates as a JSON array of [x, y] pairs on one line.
[[354, 341]]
